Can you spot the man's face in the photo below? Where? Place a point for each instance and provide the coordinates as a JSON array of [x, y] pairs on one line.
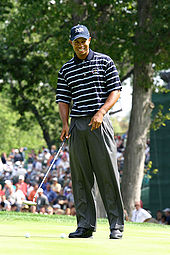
[[36, 187], [81, 47], [137, 206]]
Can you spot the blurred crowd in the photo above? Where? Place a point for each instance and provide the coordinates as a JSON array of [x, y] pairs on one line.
[[20, 177], [121, 144], [21, 172]]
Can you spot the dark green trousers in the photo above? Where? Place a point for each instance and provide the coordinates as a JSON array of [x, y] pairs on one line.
[[94, 153]]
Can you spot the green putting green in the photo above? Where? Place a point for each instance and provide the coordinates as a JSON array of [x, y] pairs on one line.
[[45, 237]]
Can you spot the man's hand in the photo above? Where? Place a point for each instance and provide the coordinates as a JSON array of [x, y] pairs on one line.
[[64, 132], [97, 120]]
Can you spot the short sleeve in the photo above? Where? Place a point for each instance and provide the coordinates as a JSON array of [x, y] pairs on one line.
[[112, 77], [63, 90]]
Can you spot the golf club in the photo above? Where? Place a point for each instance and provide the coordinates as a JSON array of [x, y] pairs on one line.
[[56, 156]]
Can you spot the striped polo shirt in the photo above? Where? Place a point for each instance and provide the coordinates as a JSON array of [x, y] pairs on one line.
[[87, 83]]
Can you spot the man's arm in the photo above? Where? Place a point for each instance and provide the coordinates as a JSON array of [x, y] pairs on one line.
[[97, 119], [64, 114]]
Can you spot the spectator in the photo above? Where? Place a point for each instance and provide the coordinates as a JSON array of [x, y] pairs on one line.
[[64, 163], [51, 195], [159, 216], [44, 186], [12, 154], [22, 184], [6, 172], [56, 187], [168, 218], [29, 161], [163, 220], [120, 145], [167, 215], [50, 210], [70, 198], [22, 152], [42, 202], [2, 198], [18, 156], [38, 164], [29, 178], [21, 169], [73, 211], [46, 157], [62, 200], [140, 214], [31, 197], [18, 197], [50, 160], [29, 188], [9, 191], [32, 193], [53, 149], [4, 158]]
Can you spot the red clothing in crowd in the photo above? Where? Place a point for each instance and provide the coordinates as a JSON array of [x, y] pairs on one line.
[[2, 193], [31, 195], [23, 187]]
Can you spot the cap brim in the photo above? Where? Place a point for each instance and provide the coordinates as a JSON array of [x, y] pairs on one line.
[[80, 36]]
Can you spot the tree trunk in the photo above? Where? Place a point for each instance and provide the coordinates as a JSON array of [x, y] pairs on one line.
[[141, 110], [135, 149]]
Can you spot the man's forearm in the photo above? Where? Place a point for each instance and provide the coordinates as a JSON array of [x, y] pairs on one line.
[[110, 101], [64, 112]]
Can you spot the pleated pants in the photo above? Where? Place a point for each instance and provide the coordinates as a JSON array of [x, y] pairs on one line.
[[94, 153]]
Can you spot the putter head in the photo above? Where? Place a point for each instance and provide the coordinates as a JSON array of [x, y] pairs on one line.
[[26, 202]]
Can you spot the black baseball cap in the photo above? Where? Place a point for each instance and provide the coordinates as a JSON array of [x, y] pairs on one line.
[[79, 31]]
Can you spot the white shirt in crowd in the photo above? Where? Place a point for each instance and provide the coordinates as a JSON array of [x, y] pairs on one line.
[[140, 215], [18, 196]]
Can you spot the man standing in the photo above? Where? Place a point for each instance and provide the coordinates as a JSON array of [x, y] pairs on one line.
[[91, 81]]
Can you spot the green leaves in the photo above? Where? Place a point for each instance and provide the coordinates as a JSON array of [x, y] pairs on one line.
[[25, 135], [160, 118]]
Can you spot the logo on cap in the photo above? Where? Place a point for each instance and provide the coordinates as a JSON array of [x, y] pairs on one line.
[[79, 30]]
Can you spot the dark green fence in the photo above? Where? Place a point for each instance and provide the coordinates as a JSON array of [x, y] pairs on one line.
[[159, 185]]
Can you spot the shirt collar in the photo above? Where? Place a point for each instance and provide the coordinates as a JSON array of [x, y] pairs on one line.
[[89, 57]]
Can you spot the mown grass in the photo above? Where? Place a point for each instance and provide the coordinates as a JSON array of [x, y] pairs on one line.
[[45, 231]]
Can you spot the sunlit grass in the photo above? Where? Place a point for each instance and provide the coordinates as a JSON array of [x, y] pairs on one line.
[[45, 231]]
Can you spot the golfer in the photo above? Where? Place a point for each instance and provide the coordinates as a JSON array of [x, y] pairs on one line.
[[91, 82]]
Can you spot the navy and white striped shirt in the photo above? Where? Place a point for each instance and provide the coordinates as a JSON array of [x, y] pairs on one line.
[[87, 82]]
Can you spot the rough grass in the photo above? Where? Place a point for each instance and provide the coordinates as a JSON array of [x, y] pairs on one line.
[[45, 231]]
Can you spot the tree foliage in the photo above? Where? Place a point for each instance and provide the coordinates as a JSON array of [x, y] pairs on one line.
[[13, 136], [34, 45], [30, 58]]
